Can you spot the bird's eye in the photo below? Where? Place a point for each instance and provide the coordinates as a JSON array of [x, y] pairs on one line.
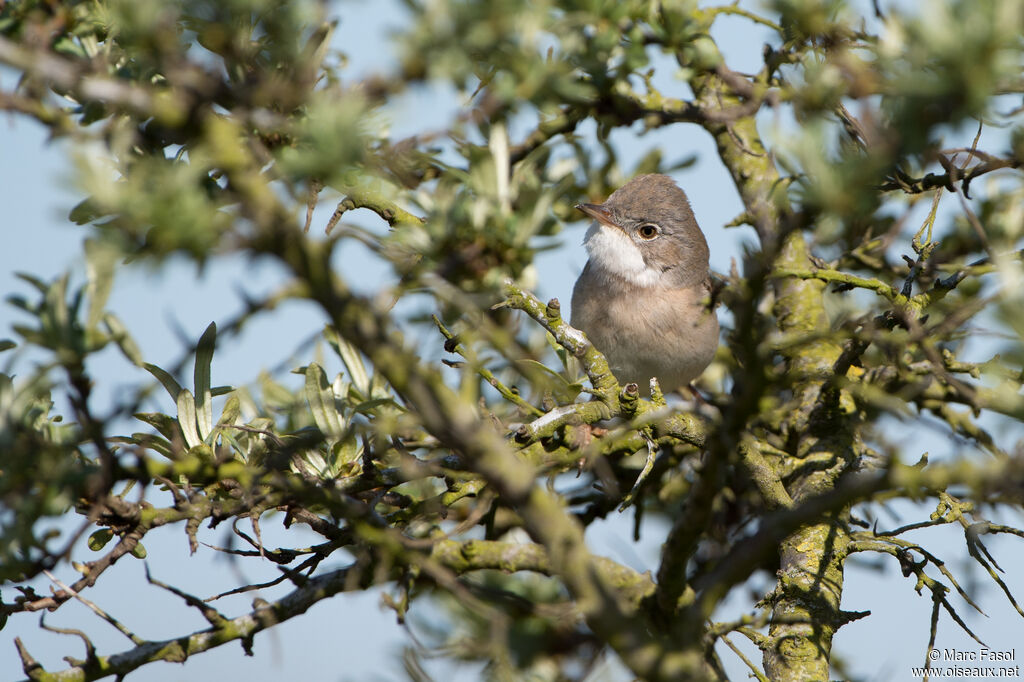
[[648, 231]]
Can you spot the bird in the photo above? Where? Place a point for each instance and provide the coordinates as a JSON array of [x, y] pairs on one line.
[[644, 296]]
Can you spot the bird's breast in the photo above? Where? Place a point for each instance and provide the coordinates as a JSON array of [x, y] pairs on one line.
[[668, 332]]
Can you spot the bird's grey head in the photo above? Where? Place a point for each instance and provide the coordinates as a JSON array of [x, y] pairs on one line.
[[646, 234]]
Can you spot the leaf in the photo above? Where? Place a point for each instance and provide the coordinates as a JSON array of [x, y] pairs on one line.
[[232, 409], [100, 259], [99, 539], [28, 334], [352, 360], [569, 362], [119, 333], [526, 365], [39, 284], [168, 427], [139, 551], [369, 406], [66, 45], [204, 399], [346, 452], [254, 446], [203, 452], [187, 418], [85, 212], [232, 440], [320, 398], [56, 316], [7, 344], [169, 382], [275, 395], [569, 393], [564, 390], [229, 416], [21, 302], [148, 441], [317, 461], [379, 388]]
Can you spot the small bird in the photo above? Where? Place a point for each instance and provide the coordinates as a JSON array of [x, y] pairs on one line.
[[643, 298]]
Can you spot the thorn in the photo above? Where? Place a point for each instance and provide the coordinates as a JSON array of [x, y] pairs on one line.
[[29, 665]]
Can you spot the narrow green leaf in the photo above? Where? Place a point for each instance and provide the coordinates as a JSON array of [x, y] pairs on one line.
[[85, 212], [570, 393], [148, 441], [7, 344], [346, 452], [543, 376], [253, 445], [236, 445], [231, 412], [320, 398], [187, 418], [119, 333], [229, 416], [311, 461], [21, 302], [29, 335], [563, 355], [39, 284], [379, 388], [275, 395], [100, 260], [168, 427], [351, 359], [57, 308], [526, 364], [169, 383], [204, 399], [370, 406], [566, 359], [203, 452]]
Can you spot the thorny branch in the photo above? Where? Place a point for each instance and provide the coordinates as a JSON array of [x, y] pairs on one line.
[[786, 446]]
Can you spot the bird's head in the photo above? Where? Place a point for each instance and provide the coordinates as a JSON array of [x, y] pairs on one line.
[[646, 234]]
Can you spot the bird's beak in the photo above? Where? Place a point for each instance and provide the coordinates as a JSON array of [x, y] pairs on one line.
[[599, 213]]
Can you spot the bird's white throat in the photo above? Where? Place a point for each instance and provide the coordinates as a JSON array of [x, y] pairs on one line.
[[611, 249]]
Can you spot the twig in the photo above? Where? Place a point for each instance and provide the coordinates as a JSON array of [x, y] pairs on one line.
[[887, 291], [754, 671], [573, 340], [453, 346], [212, 615], [95, 609]]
